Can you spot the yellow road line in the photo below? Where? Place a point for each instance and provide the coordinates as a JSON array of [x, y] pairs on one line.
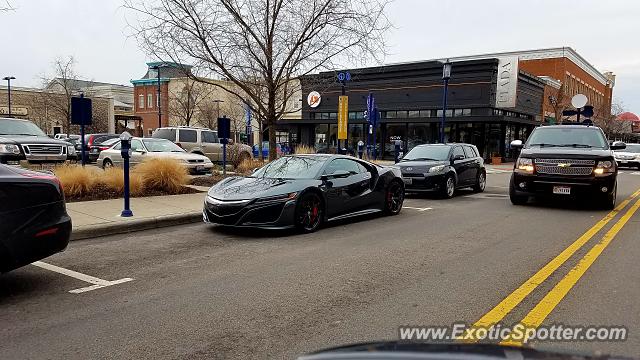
[[512, 300], [536, 316]]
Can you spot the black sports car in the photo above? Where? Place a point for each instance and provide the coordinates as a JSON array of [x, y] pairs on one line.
[[303, 191], [33, 219]]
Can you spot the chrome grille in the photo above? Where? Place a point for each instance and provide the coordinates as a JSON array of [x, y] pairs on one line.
[[556, 170], [43, 149], [420, 175], [570, 162]]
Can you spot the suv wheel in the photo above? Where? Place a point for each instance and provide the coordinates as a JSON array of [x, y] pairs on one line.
[[515, 198], [609, 200]]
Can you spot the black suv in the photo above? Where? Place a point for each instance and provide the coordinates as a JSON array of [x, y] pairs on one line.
[[566, 160], [443, 168], [23, 140]]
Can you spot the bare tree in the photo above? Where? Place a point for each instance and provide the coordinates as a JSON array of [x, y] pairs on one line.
[[261, 45], [609, 122], [209, 110], [184, 104], [6, 6], [560, 102]]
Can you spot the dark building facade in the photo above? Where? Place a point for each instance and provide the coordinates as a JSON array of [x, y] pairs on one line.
[[490, 103]]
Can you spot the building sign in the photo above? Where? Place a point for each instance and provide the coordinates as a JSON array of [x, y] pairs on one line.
[[18, 111], [507, 84], [313, 99], [343, 116]]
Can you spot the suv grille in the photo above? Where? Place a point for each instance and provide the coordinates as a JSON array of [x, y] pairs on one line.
[[564, 166], [39, 149]]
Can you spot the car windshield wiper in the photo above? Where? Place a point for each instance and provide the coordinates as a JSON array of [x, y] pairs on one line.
[[22, 134], [419, 159], [545, 144], [575, 145]]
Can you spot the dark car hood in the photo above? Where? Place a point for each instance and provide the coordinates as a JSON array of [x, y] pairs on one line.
[[242, 188], [419, 166], [23, 139], [566, 153]]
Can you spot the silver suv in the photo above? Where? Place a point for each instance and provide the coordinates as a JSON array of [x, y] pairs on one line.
[[203, 141]]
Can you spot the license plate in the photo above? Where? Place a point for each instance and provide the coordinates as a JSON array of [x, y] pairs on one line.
[[94, 150], [199, 167], [407, 181], [562, 190], [622, 161]]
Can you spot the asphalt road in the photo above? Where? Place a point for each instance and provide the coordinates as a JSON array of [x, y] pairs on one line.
[[200, 292]]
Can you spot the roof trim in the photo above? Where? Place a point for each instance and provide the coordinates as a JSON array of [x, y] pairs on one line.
[[148, 81], [549, 53]]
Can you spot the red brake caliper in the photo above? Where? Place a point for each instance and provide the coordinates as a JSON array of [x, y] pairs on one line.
[[314, 211]]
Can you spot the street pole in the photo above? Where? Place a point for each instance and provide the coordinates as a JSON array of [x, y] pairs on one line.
[[159, 99], [446, 74], [9, 78]]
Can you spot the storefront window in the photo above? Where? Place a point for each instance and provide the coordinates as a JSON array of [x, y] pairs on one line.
[[509, 135], [333, 136], [355, 134], [321, 136], [401, 114], [493, 140], [465, 131], [421, 133], [394, 132], [414, 113], [426, 113]]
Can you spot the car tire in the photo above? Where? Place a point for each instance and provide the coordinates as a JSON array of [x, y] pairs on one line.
[[394, 198], [515, 198], [448, 187], [309, 212], [481, 182], [106, 163], [609, 200]]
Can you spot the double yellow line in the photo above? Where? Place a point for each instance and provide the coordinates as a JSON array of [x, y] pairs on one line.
[[536, 316]]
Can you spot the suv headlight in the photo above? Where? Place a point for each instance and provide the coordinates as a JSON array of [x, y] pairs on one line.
[[71, 150], [524, 165], [9, 149], [605, 167], [437, 168]]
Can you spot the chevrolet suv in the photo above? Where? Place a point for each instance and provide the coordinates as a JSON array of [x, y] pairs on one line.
[[566, 161], [203, 141]]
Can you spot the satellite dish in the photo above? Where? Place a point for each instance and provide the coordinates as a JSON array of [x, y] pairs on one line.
[[579, 100]]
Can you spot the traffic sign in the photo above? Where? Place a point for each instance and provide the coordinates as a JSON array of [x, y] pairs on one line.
[[344, 76], [224, 128], [343, 116], [80, 111]]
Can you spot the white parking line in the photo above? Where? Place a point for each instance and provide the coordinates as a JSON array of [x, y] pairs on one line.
[[417, 208], [97, 283]]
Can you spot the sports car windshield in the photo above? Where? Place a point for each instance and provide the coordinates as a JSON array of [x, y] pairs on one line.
[[291, 167]]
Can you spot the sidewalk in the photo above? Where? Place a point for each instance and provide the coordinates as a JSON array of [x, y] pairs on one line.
[[99, 218]]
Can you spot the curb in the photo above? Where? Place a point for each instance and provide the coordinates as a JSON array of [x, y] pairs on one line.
[[123, 227]]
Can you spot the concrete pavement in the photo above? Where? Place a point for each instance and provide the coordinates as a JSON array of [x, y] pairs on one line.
[[202, 292]]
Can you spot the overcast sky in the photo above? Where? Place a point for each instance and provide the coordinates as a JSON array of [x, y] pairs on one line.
[[604, 32]]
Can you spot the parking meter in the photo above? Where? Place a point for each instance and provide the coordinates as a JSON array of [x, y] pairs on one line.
[[125, 151], [398, 150], [360, 148]]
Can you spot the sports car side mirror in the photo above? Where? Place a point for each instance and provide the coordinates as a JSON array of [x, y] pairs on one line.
[[335, 175], [618, 145]]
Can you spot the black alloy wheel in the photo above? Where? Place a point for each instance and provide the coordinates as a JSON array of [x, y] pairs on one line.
[[394, 198], [309, 213]]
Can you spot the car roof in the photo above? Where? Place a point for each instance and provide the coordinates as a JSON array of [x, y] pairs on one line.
[[185, 127], [571, 126], [10, 118], [445, 144]]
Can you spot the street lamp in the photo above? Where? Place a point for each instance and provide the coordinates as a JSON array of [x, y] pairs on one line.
[[446, 75], [158, 102], [9, 78]]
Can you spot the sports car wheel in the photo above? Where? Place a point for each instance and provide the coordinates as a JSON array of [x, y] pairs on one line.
[[394, 198], [309, 213]]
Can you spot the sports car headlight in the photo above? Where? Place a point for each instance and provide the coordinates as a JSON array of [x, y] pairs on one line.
[[524, 165], [282, 197], [437, 168], [9, 149], [604, 167]]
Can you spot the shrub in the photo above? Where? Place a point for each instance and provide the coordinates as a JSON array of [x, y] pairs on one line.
[[76, 180], [305, 149], [246, 167], [235, 156], [113, 179], [162, 174]]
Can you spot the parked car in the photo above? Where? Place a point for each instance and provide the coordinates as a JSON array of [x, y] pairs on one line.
[[94, 144], [35, 223], [73, 150], [23, 140], [443, 168], [629, 156], [280, 150], [566, 161], [142, 148], [201, 141], [303, 191]]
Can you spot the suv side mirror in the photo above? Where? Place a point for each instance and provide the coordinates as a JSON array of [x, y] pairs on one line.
[[517, 144], [618, 145]]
